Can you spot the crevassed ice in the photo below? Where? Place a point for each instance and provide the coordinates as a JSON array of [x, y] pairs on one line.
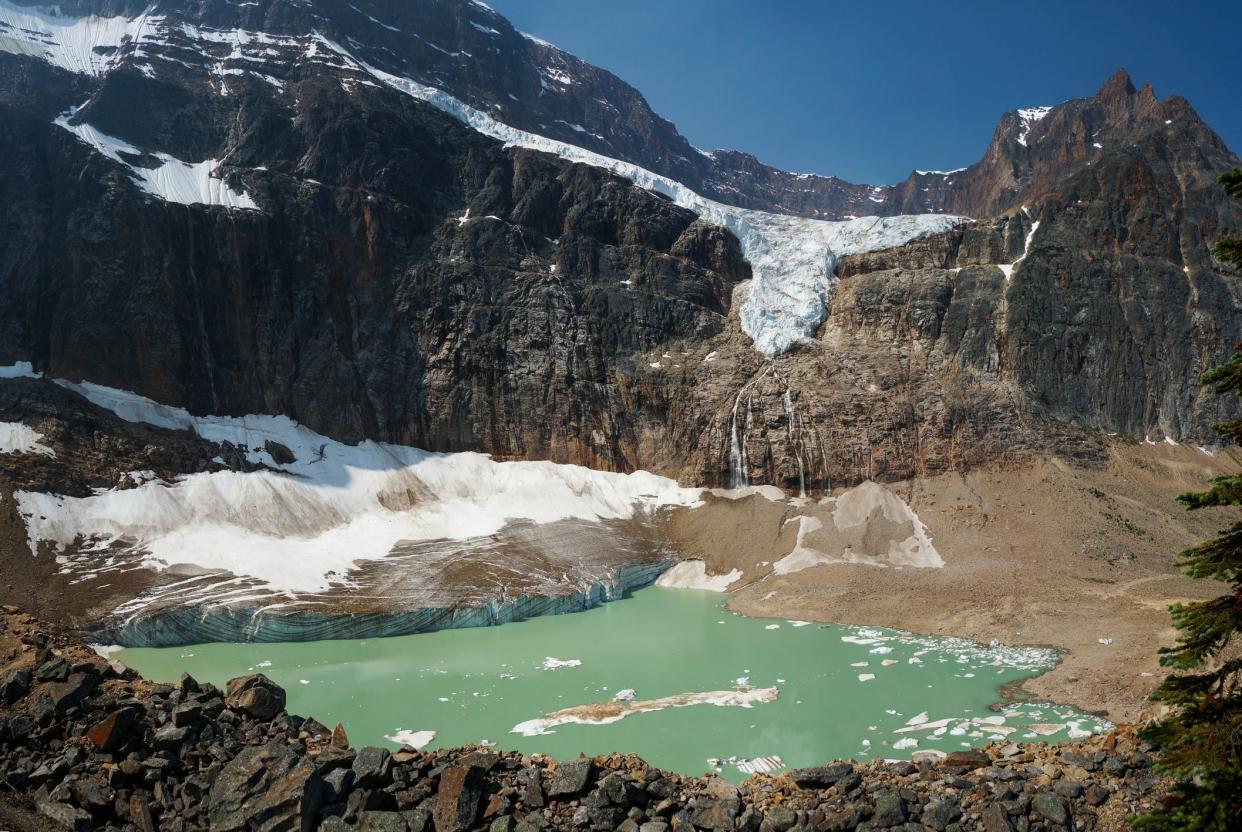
[[67, 42], [186, 183], [303, 527], [793, 259]]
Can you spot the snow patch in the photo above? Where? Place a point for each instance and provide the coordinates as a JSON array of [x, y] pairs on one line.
[[692, 574], [1028, 117], [170, 179], [16, 438], [22, 369], [851, 524]]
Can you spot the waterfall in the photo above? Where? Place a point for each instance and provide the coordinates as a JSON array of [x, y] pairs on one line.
[[739, 461], [739, 476], [791, 419]]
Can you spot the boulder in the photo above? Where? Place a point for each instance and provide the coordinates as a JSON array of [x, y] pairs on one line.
[[940, 812], [265, 787], [996, 819], [571, 777], [14, 684], [1051, 807], [255, 695], [780, 818], [715, 813], [960, 762], [890, 810], [382, 822], [820, 777], [372, 767], [111, 732], [71, 692], [457, 799], [66, 816]]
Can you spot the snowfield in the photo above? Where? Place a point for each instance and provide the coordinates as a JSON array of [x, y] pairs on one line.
[[301, 527]]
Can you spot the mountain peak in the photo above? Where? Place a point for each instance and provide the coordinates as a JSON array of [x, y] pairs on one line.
[[1118, 84]]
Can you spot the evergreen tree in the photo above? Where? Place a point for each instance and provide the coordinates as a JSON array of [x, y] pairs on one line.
[[1201, 740]]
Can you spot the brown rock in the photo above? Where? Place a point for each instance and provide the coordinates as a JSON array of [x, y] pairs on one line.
[[457, 800], [960, 762], [111, 733], [255, 695]]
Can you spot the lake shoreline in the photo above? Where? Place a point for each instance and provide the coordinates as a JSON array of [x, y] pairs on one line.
[[100, 747]]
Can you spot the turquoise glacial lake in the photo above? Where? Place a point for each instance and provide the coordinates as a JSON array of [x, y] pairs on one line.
[[700, 689]]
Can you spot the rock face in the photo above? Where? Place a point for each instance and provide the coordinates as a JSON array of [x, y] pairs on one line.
[[371, 267], [232, 771]]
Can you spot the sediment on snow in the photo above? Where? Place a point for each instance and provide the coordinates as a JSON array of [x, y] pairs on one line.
[[88, 744]]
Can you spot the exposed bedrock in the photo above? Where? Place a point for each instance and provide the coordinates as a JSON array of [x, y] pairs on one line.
[[410, 280]]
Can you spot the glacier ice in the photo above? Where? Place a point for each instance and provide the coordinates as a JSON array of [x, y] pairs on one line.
[[793, 259], [303, 526], [78, 44]]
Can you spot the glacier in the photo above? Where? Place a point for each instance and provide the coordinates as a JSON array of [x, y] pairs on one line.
[[78, 44], [793, 259], [303, 526]]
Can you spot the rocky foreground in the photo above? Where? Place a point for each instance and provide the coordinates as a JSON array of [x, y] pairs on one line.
[[87, 744]]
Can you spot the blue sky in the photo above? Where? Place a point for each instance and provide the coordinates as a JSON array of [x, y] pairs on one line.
[[870, 90]]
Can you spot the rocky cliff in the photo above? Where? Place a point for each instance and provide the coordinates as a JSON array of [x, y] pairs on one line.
[[212, 205]]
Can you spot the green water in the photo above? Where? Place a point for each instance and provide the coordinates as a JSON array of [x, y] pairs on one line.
[[476, 684]]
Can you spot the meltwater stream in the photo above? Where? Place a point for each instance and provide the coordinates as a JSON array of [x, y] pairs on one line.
[[678, 680]]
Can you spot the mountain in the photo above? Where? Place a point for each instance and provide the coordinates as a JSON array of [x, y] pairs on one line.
[[409, 222]]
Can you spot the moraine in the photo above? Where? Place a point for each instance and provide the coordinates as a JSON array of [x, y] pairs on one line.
[[664, 673]]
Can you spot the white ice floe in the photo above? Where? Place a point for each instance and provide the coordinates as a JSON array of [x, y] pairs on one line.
[[692, 574], [414, 739], [551, 663], [301, 527], [906, 742], [865, 677], [85, 45], [16, 438], [609, 712], [626, 695], [758, 765], [169, 178]]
